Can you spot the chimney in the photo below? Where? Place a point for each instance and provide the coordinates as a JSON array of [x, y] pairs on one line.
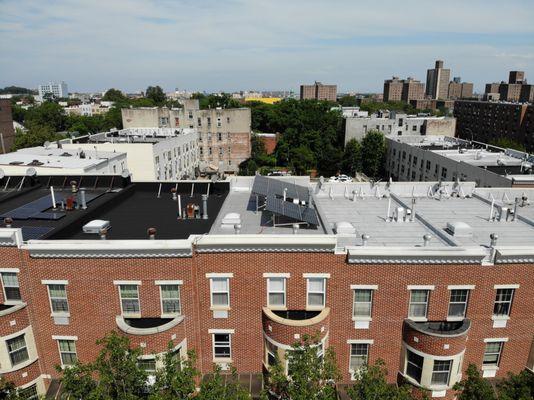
[[151, 233], [237, 229], [204, 206], [103, 233], [295, 228], [365, 239], [426, 239], [8, 221]]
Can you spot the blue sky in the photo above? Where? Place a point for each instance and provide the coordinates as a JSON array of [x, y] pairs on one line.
[[264, 45]]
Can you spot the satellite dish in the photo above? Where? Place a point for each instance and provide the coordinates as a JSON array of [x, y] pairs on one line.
[[2, 173], [31, 172], [46, 144], [125, 173]]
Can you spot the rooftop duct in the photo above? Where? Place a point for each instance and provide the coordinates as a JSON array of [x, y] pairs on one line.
[[459, 229], [95, 226]]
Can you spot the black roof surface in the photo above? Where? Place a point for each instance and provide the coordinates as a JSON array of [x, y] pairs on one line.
[[131, 208]]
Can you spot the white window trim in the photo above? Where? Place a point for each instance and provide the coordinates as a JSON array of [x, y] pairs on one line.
[[60, 337], [419, 318], [118, 283], [277, 306], [420, 287], [360, 341], [460, 287], [350, 343], [314, 275], [220, 275], [456, 317], [228, 332], [493, 340], [512, 286], [52, 312], [316, 307], [12, 271], [54, 282], [219, 307], [364, 287], [160, 283], [70, 338], [507, 316], [276, 275], [129, 315], [164, 314]]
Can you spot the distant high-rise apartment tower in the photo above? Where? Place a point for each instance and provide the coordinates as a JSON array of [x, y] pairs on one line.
[[396, 89], [437, 81], [516, 77], [393, 89], [318, 91], [57, 89], [7, 133]]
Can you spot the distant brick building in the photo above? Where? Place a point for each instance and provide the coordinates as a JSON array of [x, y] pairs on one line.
[[318, 91], [7, 131], [437, 81], [406, 90], [515, 90]]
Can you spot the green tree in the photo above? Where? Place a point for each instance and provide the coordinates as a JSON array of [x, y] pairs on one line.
[[309, 377], [176, 380], [347, 101], [474, 387], [114, 375], [47, 114], [373, 153], [352, 157], [223, 100], [508, 143], [371, 384], [156, 94], [35, 136], [216, 388], [7, 390], [517, 386], [248, 167], [301, 159], [114, 95]]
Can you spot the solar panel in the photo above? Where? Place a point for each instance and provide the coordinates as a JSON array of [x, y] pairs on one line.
[[265, 186], [50, 216], [34, 232], [291, 210]]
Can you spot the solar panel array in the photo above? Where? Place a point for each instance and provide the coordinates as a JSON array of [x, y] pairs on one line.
[[35, 232], [291, 210], [265, 186]]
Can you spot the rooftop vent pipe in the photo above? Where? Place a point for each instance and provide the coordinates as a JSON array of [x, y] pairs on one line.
[[204, 206], [173, 191], [237, 229], [83, 200], [295, 228], [151, 233], [8, 221], [74, 186], [493, 238], [103, 233], [365, 239], [426, 239]]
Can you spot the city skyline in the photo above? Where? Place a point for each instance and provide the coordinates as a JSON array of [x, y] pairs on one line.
[[235, 45]]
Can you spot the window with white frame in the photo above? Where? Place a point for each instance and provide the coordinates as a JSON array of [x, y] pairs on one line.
[[67, 351], [271, 353], [363, 303], [220, 292], [10, 283], [316, 292], [147, 364], [503, 302], [276, 291], [492, 353], [458, 302], [58, 298], [129, 295], [170, 299], [414, 365], [418, 303], [28, 393], [441, 372], [18, 352], [359, 354], [222, 345]]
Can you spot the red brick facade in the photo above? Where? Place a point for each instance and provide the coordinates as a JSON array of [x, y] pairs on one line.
[[94, 305]]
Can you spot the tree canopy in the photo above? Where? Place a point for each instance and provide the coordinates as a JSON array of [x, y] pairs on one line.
[[156, 94]]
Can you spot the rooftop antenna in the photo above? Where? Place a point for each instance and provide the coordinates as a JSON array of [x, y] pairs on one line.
[[491, 210], [389, 209], [330, 194], [346, 192], [361, 193], [159, 191], [192, 189], [412, 213]]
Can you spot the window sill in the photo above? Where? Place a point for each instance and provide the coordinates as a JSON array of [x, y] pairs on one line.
[[455, 319], [222, 360], [369, 319], [220, 308], [60, 315], [500, 317], [418, 319], [490, 368], [126, 315], [170, 315], [315, 308], [277, 308]]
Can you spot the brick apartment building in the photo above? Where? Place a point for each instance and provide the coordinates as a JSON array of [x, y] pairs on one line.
[[406, 90], [515, 90], [485, 121], [374, 274], [318, 91], [437, 81], [7, 131], [224, 134]]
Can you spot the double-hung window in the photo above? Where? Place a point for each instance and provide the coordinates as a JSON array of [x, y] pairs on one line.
[[419, 296], [414, 366], [18, 352], [276, 289], [359, 355], [503, 301], [441, 372], [222, 343], [316, 290], [67, 351], [57, 293], [459, 298], [129, 297], [147, 364], [362, 301], [220, 292], [492, 353], [10, 283], [170, 297]]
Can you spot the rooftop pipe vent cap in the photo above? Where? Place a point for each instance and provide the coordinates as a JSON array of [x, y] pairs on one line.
[[96, 225], [459, 229]]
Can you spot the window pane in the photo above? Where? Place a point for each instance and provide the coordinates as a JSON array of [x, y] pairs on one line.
[[29, 393], [57, 290], [12, 293], [68, 358], [276, 299], [10, 279], [130, 306], [362, 309], [222, 351], [171, 306], [490, 359], [458, 295], [67, 345], [419, 296], [170, 291], [440, 373], [418, 310], [59, 305], [129, 291], [315, 299], [457, 310], [16, 343], [501, 308], [504, 294], [219, 284], [362, 295], [276, 284], [148, 365], [316, 284], [220, 299], [414, 366]]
